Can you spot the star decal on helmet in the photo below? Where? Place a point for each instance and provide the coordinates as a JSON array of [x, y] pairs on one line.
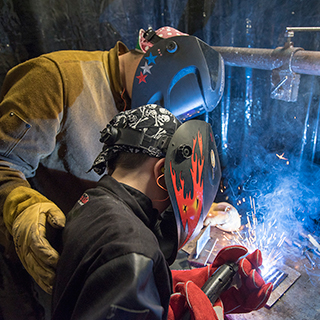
[[142, 77], [151, 58], [146, 68]]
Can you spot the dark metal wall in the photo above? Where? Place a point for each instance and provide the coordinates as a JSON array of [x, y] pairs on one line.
[[269, 149]]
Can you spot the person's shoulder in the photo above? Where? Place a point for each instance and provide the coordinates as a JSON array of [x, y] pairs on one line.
[[71, 56], [100, 202], [55, 62]]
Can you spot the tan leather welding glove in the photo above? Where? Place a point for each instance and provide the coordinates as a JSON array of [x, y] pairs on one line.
[[25, 214]]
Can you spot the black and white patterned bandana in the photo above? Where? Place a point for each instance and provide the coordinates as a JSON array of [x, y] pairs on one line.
[[147, 129]]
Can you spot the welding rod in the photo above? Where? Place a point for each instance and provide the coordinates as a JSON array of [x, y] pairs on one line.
[[313, 264]]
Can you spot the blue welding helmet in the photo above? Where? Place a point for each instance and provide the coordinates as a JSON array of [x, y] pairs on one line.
[[192, 175], [182, 74]]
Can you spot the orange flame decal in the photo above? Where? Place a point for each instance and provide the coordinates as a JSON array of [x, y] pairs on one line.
[[190, 207]]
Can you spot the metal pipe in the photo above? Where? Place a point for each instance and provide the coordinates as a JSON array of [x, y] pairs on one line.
[[301, 61], [306, 62], [303, 29]]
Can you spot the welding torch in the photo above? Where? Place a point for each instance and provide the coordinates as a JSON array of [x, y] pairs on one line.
[[219, 281]]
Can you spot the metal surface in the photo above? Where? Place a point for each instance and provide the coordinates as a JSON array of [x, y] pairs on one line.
[[302, 61], [199, 249], [205, 256], [291, 276], [202, 241]]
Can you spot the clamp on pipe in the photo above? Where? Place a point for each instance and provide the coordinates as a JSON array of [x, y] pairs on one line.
[[284, 81]]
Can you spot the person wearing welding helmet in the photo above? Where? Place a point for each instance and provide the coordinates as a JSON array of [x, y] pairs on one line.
[[114, 261], [52, 109]]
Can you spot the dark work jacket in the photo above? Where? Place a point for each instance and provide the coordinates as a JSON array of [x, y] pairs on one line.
[[111, 266]]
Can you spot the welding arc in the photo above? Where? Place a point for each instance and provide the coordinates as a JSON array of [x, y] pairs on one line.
[[275, 276]]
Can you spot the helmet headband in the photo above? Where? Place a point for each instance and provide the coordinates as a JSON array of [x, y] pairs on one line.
[[147, 129]]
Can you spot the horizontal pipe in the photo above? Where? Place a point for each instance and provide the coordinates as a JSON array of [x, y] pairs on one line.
[[306, 62], [302, 61], [308, 29]]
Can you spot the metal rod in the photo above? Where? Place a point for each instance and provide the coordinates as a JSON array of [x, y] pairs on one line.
[[303, 28], [214, 244], [302, 61], [280, 84]]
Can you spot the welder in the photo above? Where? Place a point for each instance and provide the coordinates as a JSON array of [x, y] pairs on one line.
[[52, 110], [112, 265]]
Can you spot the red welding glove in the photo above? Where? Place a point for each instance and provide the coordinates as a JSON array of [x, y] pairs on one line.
[[187, 288], [253, 293], [189, 298]]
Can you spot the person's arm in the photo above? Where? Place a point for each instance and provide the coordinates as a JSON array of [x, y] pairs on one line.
[[31, 110], [123, 288], [111, 266]]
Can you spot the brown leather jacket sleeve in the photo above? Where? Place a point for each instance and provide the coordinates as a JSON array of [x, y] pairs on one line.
[[51, 105], [29, 121]]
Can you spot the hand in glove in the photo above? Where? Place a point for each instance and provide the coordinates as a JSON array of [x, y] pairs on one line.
[[187, 288], [189, 298], [25, 214], [253, 293], [251, 296]]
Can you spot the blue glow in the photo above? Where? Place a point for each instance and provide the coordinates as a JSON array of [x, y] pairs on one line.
[[182, 73]]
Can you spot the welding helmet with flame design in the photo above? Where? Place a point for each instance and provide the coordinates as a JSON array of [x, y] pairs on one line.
[[192, 170], [192, 175], [181, 73]]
